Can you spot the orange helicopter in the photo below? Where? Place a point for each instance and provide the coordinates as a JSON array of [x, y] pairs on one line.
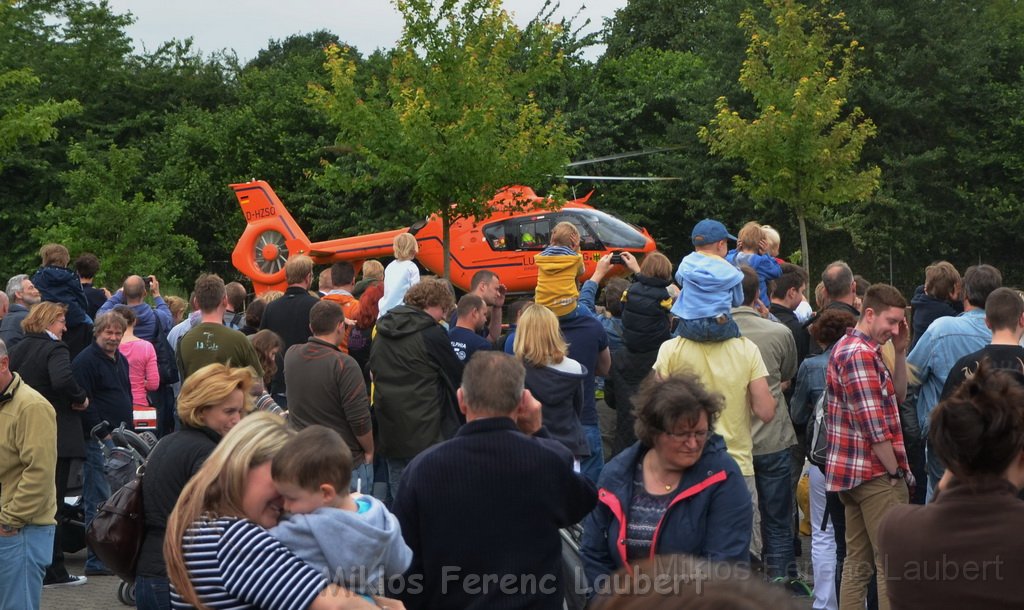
[[506, 242]]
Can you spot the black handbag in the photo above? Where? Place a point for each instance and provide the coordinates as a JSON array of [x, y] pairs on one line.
[[116, 532]]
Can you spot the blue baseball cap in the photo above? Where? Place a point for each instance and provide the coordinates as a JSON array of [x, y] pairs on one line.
[[709, 231]]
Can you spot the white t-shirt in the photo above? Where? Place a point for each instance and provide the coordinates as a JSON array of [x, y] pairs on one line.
[[399, 276]]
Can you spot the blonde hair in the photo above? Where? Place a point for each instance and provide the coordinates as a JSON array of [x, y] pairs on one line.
[[751, 235], [297, 269], [177, 306], [42, 315], [210, 386], [405, 246], [271, 296], [54, 254], [773, 238], [565, 234], [539, 341], [820, 296], [218, 489], [373, 268]]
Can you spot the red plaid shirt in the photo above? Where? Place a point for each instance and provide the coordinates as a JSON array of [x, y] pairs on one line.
[[862, 411]]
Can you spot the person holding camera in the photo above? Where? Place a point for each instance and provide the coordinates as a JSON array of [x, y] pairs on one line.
[[150, 320]]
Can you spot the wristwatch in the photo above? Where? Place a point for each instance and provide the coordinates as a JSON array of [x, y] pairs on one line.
[[899, 474], [8, 529]]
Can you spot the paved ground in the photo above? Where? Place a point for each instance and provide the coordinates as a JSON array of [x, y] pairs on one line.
[[99, 593]]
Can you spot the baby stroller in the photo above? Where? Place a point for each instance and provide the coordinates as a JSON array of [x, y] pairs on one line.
[[121, 465]]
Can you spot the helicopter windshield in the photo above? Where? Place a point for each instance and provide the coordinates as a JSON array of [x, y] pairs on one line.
[[610, 231], [598, 231]]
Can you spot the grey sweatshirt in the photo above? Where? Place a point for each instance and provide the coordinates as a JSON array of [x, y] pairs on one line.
[[358, 550]]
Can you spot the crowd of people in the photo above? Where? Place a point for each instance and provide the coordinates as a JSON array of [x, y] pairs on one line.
[[376, 442]]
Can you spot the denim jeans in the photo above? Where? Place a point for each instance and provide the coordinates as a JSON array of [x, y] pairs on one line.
[[775, 502], [935, 469], [95, 490], [363, 476], [25, 556], [396, 466], [152, 593], [708, 330], [591, 466]]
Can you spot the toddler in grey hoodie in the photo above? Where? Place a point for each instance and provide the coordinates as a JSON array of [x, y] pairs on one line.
[[353, 539]]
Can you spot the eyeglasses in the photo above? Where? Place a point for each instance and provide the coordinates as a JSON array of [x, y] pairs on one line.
[[698, 435]]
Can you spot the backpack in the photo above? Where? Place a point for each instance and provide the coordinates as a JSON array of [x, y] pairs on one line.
[[166, 362], [817, 432]]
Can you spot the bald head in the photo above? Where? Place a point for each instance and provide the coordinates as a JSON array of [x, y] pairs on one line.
[[134, 289]]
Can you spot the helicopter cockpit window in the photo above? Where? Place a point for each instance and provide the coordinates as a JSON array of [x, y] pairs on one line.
[[531, 233], [588, 240], [610, 231]]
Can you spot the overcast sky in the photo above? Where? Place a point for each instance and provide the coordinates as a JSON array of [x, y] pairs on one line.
[[246, 26]]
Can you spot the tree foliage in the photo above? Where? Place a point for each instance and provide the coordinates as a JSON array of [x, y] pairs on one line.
[[456, 118], [134, 234], [803, 149]]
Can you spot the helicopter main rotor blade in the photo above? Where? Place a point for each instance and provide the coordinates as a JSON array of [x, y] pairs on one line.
[[624, 178], [625, 155]]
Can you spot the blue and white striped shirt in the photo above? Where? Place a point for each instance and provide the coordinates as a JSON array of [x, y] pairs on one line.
[[236, 564]]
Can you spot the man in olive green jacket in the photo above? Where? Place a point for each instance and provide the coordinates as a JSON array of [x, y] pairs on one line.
[[28, 495]]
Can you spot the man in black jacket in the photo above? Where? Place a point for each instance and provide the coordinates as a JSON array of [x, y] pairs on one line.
[[288, 316], [482, 511], [415, 372]]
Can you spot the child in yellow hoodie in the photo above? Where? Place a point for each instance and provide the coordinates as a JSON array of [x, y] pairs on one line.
[[558, 265]]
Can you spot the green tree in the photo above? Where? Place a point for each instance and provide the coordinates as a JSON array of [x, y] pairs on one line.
[[456, 118], [804, 147], [22, 123], [135, 235]]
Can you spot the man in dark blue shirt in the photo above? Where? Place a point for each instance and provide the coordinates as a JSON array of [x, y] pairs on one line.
[[502, 481], [465, 335], [102, 372]]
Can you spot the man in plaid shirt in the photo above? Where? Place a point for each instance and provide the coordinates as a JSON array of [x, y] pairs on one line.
[[867, 461]]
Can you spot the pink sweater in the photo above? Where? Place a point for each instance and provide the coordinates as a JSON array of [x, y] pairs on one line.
[[142, 370]]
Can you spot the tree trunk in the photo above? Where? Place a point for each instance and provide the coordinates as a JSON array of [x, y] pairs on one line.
[[803, 245], [446, 242]]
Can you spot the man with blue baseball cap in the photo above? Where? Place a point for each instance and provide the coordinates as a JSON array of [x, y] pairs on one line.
[[711, 286]]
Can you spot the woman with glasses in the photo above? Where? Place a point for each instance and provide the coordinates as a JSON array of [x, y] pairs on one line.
[[44, 362], [675, 490]]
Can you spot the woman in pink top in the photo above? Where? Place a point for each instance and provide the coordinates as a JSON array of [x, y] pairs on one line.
[[141, 356]]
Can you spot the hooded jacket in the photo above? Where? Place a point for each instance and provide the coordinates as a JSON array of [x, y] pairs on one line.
[[561, 397], [358, 549], [415, 375], [710, 287], [60, 285], [710, 515], [645, 317], [556, 280]]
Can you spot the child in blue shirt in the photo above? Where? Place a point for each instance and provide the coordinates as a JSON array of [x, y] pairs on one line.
[[711, 287], [752, 250]]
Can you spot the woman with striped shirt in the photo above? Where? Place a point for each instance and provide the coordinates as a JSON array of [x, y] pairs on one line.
[[218, 551]]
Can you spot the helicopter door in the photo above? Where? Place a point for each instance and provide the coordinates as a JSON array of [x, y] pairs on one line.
[[530, 233]]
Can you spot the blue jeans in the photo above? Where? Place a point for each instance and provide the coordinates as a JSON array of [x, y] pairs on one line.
[[25, 557], [935, 469], [396, 466], [152, 593], [95, 490], [708, 330], [591, 466], [364, 476], [775, 503]]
